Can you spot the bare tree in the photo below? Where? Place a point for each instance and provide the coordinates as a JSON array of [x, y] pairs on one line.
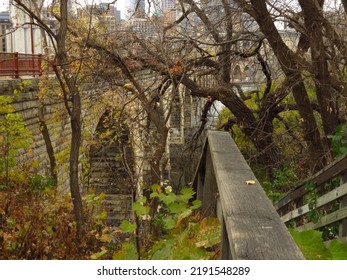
[[68, 81], [200, 50], [210, 37]]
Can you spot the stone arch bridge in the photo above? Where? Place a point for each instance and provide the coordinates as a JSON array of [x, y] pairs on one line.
[[106, 171]]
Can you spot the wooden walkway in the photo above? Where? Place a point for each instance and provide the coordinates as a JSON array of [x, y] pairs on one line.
[[228, 189]]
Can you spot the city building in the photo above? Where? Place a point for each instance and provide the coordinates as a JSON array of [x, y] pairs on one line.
[[167, 4], [107, 9], [168, 9], [142, 26], [25, 36], [5, 26], [165, 9]]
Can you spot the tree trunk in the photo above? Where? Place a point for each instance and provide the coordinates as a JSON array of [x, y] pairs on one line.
[[290, 66], [48, 143], [157, 164], [74, 160], [325, 97], [265, 145], [71, 92], [344, 2], [310, 130], [260, 131], [71, 96]]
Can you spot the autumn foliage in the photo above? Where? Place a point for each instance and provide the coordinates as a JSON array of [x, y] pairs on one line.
[[37, 221]]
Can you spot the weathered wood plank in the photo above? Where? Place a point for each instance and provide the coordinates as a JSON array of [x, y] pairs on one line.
[[198, 180], [226, 253], [210, 191], [199, 187], [336, 168], [343, 204], [295, 213], [326, 220], [254, 228], [219, 210], [321, 201]]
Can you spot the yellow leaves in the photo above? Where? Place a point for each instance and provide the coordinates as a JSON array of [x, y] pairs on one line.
[[213, 54], [106, 238], [107, 235], [209, 233], [98, 255], [35, 164], [128, 87]]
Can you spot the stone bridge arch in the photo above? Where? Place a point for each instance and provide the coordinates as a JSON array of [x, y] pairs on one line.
[[111, 161], [96, 103]]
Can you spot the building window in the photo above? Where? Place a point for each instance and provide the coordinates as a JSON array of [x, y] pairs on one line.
[[167, 4]]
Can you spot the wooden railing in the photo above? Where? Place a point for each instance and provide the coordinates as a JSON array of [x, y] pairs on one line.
[[228, 189], [293, 207], [20, 64]]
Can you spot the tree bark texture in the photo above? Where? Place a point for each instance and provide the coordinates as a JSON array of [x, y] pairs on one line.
[[48, 144], [74, 160], [288, 61], [72, 93], [259, 131], [327, 106]]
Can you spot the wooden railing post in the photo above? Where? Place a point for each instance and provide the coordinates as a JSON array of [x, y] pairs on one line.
[[251, 228], [40, 64], [225, 252], [198, 182], [16, 65], [33, 66], [343, 203], [210, 190]]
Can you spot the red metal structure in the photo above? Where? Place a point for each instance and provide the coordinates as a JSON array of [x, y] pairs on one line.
[[20, 64]]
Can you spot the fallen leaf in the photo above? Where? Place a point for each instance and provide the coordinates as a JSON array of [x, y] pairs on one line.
[[250, 182], [106, 238]]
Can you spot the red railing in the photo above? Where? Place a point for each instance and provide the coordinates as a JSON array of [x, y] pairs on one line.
[[20, 64]]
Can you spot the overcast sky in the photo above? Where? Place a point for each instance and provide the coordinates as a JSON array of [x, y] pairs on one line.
[[3, 4], [120, 3]]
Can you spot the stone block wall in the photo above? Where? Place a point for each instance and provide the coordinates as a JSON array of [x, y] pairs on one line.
[[26, 103], [106, 174]]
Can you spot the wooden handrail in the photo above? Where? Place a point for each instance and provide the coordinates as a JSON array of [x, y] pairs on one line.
[[292, 208], [228, 189], [20, 64], [336, 168]]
